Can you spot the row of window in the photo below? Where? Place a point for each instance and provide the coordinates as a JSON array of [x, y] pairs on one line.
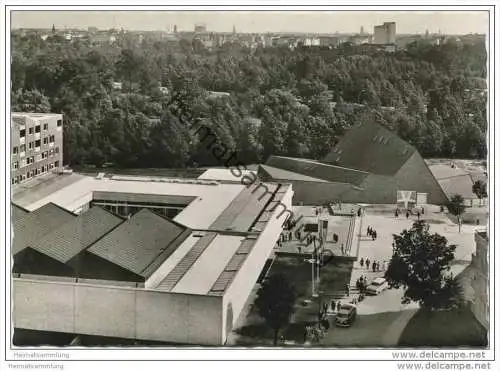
[[32, 159], [38, 171], [36, 129], [33, 145]]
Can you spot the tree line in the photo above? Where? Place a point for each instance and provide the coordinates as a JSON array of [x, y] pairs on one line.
[[284, 102]]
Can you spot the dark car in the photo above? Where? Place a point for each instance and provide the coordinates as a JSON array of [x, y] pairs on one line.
[[346, 315]]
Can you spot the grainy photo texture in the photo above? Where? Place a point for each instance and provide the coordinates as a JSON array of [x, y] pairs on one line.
[[252, 179]]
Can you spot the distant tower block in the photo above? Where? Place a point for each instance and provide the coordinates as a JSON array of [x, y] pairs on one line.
[[234, 30], [362, 30], [175, 28]]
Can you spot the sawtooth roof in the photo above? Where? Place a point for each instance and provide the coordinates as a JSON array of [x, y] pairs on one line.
[[142, 241], [73, 237], [31, 227]]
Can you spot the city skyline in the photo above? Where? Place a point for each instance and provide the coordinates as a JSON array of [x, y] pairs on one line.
[[408, 22]]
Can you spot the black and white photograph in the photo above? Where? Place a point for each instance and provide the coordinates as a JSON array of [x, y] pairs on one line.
[[227, 178]]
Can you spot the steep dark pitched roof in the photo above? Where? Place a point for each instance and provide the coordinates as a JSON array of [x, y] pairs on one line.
[[371, 148], [276, 173], [136, 243], [38, 223], [71, 238], [317, 169]]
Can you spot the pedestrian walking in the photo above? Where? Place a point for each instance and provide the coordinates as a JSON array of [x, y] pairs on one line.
[[407, 214], [367, 263], [359, 212], [368, 231], [374, 266], [347, 289], [418, 215], [374, 235], [423, 210], [396, 214], [378, 266], [339, 304], [362, 262], [342, 249]]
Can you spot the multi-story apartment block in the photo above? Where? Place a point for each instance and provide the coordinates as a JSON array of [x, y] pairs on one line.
[[36, 145], [385, 34]]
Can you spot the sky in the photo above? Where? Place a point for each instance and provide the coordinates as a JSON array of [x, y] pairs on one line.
[[448, 22]]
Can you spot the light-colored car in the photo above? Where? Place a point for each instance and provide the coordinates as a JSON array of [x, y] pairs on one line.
[[377, 286], [346, 315]]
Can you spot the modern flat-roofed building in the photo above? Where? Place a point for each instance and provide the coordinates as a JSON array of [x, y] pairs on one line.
[[142, 259], [36, 145]]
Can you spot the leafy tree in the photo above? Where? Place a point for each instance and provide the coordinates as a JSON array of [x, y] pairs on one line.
[[479, 189], [275, 300], [30, 101], [420, 264], [456, 207]]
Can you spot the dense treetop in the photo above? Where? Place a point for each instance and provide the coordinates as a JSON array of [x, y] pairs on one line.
[[284, 102]]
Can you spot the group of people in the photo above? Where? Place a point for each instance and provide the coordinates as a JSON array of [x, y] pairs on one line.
[[362, 284], [372, 233], [375, 265], [420, 211]]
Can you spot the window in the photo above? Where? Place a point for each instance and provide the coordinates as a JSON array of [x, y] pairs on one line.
[[52, 138], [15, 150], [51, 152], [23, 162], [31, 131], [37, 143], [45, 127], [22, 148], [37, 129], [59, 123], [56, 164], [30, 160], [15, 165], [57, 149], [44, 155], [45, 140], [29, 174], [44, 168], [31, 145], [14, 180], [22, 133]]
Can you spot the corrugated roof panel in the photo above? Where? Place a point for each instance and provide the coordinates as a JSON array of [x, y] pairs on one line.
[[246, 246], [187, 262], [222, 282], [236, 262]]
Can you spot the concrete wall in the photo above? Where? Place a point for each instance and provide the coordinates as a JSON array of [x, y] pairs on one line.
[[117, 311], [239, 290], [415, 175]]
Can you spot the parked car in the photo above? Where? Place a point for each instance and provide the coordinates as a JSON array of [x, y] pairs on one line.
[[377, 286], [346, 315]]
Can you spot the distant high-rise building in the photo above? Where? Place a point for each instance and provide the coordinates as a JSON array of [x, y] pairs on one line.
[[234, 30], [426, 34], [175, 28], [385, 34], [362, 30], [53, 28]]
